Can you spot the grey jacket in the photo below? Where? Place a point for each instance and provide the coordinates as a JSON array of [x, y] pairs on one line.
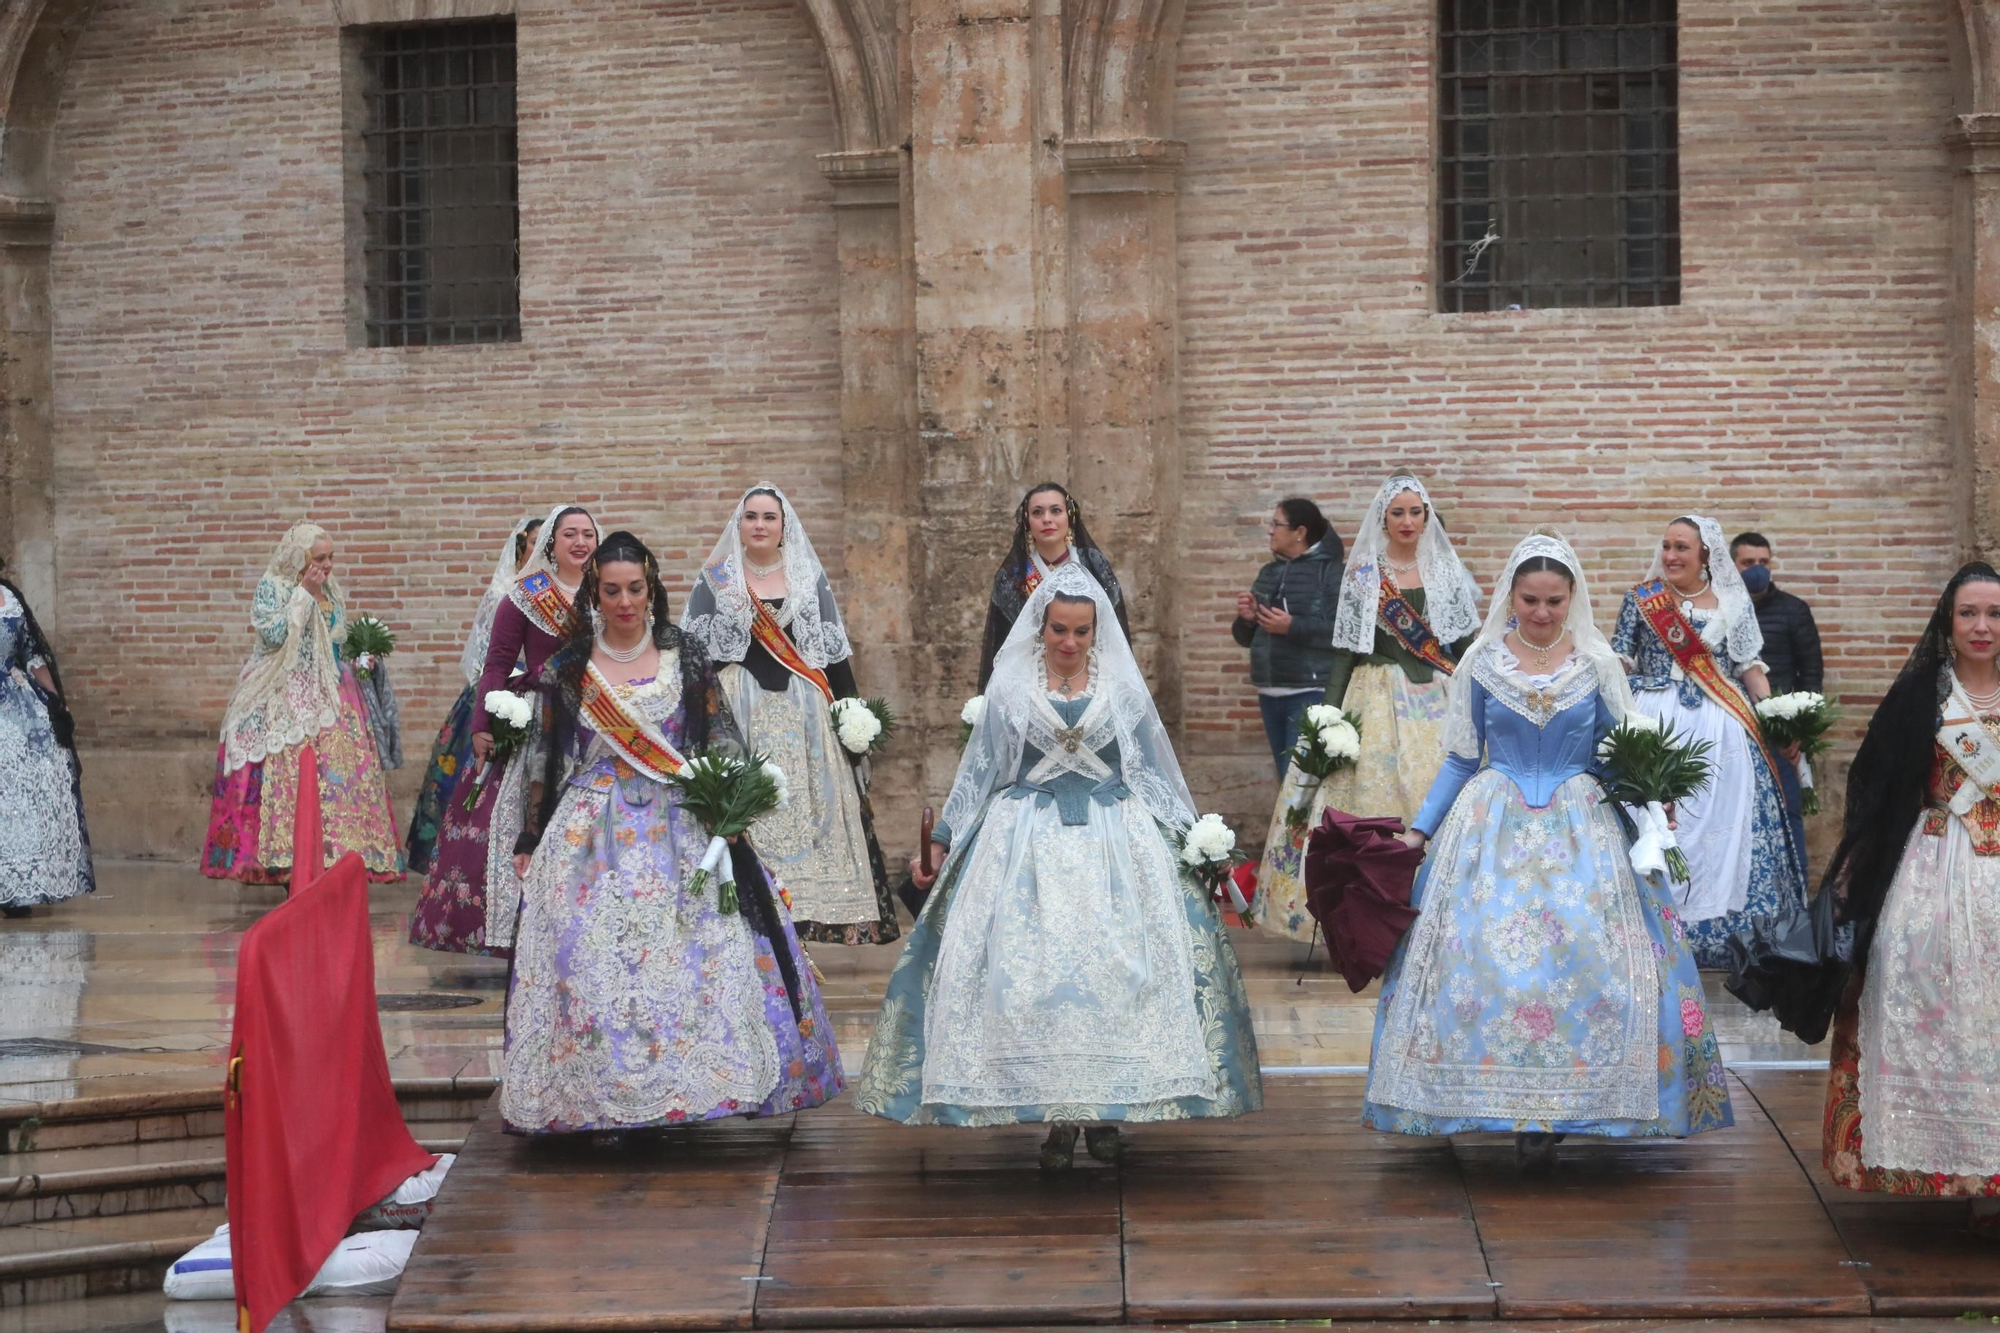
[[1309, 588]]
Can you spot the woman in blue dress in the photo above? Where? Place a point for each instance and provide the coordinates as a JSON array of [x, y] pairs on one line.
[[44, 846], [1544, 989], [1064, 971], [1690, 639]]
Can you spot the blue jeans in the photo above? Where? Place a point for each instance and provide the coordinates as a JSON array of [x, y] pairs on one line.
[[1281, 723]]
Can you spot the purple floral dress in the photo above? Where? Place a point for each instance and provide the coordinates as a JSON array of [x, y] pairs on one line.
[[635, 1002]]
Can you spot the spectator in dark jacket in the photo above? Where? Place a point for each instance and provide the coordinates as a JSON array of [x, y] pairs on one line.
[[1791, 653], [1286, 620]]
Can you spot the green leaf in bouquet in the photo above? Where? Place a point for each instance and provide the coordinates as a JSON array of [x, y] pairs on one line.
[[887, 717], [1643, 766], [726, 791]]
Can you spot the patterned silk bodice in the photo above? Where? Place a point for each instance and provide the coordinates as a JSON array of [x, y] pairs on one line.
[[1982, 821], [658, 700], [1048, 777], [1654, 668]]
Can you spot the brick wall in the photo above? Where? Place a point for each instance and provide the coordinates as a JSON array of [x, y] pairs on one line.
[[1800, 388], [678, 302]]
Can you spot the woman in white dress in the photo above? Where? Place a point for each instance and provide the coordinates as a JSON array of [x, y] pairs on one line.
[[1064, 971], [1690, 639]]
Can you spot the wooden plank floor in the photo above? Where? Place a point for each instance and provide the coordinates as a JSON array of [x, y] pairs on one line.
[[833, 1220]]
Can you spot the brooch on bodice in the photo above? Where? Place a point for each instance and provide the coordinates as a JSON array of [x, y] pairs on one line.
[[1070, 738]]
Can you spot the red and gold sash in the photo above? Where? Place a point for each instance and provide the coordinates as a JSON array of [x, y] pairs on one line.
[[544, 603], [1662, 610], [637, 741], [1033, 578], [772, 635], [1407, 626]]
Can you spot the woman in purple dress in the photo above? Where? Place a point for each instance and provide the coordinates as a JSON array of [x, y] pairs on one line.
[[636, 1001], [469, 897]]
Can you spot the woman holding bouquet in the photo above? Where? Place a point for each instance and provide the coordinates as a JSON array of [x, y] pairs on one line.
[[295, 693], [1690, 639], [1048, 531], [1913, 1101], [451, 754], [1408, 608], [762, 609], [470, 896], [44, 843], [636, 999], [1544, 989], [1065, 971]]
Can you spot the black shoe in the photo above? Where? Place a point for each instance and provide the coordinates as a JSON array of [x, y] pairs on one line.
[[1104, 1143], [1059, 1149], [15, 913], [1536, 1153]]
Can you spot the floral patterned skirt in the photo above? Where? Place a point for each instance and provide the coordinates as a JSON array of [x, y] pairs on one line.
[[44, 843], [1402, 748], [635, 1003], [451, 754], [1544, 987], [471, 893], [250, 818]]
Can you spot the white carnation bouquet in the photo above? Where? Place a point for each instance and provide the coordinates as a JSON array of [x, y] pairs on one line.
[[727, 792], [863, 725], [968, 718], [1208, 852], [513, 719], [368, 642], [1647, 768], [1329, 741], [1802, 718]]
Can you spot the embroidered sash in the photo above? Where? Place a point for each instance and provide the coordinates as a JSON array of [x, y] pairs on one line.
[[636, 741], [772, 635], [1973, 749], [1661, 610], [1038, 569], [544, 603], [1407, 626]]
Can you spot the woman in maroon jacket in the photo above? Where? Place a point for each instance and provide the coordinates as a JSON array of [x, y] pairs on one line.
[[471, 893]]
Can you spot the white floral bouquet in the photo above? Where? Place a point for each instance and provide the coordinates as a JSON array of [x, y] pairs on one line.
[[1329, 741], [1802, 718], [1208, 852], [968, 718], [727, 792], [1647, 768], [513, 715], [863, 725], [368, 642]]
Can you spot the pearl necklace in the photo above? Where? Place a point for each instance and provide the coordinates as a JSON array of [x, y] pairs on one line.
[[1982, 703], [1542, 650], [632, 654], [763, 571]]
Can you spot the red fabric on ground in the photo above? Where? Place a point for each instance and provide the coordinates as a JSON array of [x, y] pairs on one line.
[[308, 837], [1358, 878], [314, 1131]]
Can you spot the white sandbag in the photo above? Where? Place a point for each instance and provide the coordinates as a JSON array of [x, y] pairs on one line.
[[364, 1265], [410, 1203]]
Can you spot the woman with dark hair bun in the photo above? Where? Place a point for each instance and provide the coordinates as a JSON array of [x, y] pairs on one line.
[[635, 1000], [1913, 1097], [470, 896], [1048, 530], [44, 845]]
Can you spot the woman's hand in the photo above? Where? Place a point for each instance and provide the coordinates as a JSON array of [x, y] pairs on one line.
[[1274, 621], [1412, 839], [917, 876], [482, 746], [313, 579], [521, 860], [1246, 606]]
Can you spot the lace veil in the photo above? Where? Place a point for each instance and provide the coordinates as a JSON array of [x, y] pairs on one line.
[[1451, 597], [718, 611], [1744, 636], [541, 560], [472, 661], [1587, 642], [1018, 715], [289, 693]]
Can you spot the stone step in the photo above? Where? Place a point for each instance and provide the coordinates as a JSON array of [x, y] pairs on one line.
[[61, 1184], [151, 1117], [98, 1256], [151, 1312]]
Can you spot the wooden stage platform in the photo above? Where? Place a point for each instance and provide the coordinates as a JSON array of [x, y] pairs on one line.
[[833, 1220]]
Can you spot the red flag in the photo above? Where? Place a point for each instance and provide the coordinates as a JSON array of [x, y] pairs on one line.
[[308, 839], [314, 1134]]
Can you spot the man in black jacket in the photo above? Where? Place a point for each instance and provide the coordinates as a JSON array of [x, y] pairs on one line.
[[1286, 620], [1791, 649]]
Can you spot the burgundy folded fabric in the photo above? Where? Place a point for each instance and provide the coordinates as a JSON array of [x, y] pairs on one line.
[[1358, 882]]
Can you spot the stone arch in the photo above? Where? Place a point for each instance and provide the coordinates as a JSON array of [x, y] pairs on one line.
[[858, 38], [1118, 68]]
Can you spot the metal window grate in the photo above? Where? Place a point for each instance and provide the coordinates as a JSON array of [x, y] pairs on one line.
[[441, 208], [1559, 163]]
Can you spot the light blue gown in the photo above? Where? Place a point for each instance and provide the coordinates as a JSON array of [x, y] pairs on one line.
[[1543, 987]]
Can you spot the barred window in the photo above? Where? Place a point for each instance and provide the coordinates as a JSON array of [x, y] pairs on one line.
[[440, 210], [1559, 170]]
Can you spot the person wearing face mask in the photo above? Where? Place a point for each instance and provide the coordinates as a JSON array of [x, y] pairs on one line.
[[471, 896], [1691, 641], [1048, 532], [1286, 620], [1791, 656], [1545, 988], [764, 611]]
